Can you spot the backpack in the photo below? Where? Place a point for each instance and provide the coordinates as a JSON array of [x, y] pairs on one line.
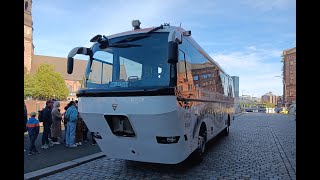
[[40, 115]]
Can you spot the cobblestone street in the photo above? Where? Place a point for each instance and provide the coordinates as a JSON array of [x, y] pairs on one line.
[[259, 146]]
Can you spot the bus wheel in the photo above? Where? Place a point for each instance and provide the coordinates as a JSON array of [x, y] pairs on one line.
[[201, 146]]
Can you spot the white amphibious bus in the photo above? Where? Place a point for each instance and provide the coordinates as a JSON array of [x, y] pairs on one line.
[[153, 95]]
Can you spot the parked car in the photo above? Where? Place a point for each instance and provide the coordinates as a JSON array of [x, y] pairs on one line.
[[283, 111], [263, 110]]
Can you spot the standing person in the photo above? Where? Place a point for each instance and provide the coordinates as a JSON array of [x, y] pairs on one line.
[[72, 115], [65, 121], [49, 135], [79, 131], [85, 132], [47, 122], [79, 127], [33, 131], [25, 118], [56, 122]]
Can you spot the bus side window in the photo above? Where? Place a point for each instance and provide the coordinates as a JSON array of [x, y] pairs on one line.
[[181, 68]]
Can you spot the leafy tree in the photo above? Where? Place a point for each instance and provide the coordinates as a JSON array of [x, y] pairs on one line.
[[270, 105], [46, 83], [29, 84]]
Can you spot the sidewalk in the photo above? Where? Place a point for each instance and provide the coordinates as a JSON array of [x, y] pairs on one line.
[[57, 157]]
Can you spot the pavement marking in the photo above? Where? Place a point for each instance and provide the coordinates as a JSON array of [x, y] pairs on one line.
[[62, 166], [284, 157]]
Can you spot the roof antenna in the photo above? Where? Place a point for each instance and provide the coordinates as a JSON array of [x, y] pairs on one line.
[[180, 24]]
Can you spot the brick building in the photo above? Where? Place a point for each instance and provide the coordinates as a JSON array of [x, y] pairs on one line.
[[289, 76], [270, 98], [28, 38], [32, 61]]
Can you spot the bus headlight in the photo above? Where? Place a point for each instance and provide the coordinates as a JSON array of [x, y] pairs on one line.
[[167, 140]]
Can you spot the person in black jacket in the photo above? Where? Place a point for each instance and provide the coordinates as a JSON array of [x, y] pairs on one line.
[[47, 122], [25, 117]]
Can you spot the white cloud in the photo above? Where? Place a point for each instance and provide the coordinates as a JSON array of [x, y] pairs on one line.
[[255, 67]]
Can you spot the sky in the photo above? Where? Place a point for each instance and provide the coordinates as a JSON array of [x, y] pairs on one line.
[[245, 37]]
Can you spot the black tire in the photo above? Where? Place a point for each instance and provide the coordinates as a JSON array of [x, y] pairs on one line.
[[199, 152]]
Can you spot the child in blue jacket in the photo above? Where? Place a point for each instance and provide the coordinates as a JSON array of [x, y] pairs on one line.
[[33, 131]]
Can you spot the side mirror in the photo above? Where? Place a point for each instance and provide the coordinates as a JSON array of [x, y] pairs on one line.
[[70, 65], [173, 52], [72, 53]]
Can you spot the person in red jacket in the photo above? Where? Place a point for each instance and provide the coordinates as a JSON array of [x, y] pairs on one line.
[[33, 131]]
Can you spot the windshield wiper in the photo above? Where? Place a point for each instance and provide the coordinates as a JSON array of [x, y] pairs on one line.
[[124, 45], [155, 29], [131, 39]]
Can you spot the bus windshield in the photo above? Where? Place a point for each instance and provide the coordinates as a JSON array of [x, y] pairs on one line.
[[133, 61]]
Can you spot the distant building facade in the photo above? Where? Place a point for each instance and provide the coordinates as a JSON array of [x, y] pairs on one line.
[[236, 85], [279, 101], [269, 98], [28, 38], [256, 99], [289, 76], [32, 62]]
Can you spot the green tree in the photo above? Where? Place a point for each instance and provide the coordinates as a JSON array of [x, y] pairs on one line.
[[270, 105], [46, 83], [29, 84]]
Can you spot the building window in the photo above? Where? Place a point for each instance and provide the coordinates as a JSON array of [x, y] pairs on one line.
[[180, 88], [204, 76], [197, 85], [291, 93], [26, 5], [196, 78], [189, 87], [291, 62]]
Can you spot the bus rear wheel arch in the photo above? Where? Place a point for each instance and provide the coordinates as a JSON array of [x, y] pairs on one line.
[[202, 140]]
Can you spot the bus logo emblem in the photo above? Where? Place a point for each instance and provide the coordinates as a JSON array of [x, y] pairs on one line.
[[114, 106]]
